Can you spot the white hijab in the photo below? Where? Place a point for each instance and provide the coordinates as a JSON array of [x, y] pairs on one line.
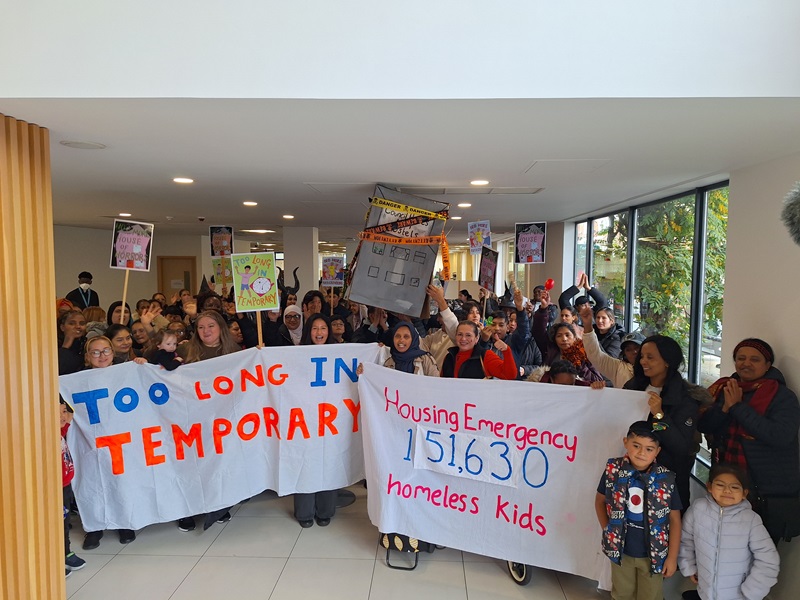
[[298, 332]]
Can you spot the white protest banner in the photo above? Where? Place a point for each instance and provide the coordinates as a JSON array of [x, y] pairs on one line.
[[506, 469], [151, 445]]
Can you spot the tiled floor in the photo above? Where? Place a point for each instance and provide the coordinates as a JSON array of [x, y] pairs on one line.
[[262, 553]]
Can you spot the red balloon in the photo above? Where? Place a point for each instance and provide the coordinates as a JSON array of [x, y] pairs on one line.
[[549, 284]]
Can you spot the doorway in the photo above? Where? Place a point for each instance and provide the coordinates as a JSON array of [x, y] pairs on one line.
[[176, 273]]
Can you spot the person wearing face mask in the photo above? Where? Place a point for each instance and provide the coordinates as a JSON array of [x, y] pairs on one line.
[[83, 296]]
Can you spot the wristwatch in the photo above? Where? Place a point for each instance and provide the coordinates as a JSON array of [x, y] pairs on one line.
[[659, 416]]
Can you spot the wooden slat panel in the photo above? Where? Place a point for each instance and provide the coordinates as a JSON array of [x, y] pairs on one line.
[[31, 529]]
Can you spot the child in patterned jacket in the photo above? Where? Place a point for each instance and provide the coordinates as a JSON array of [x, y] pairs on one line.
[[638, 507]]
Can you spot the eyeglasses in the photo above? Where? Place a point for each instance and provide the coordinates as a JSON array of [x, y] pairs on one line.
[[291, 317], [99, 353], [728, 487]]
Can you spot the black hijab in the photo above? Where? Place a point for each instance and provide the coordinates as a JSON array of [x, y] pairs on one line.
[[404, 361]]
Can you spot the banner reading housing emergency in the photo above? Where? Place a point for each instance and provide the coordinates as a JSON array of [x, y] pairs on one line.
[[502, 469], [151, 445]]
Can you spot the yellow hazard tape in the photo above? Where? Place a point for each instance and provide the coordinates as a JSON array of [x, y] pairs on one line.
[[428, 240], [413, 210], [445, 259]]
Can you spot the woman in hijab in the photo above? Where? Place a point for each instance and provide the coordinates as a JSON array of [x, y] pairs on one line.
[[406, 355], [291, 330]]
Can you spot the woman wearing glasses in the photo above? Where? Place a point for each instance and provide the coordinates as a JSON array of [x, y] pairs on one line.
[[291, 330], [99, 355]]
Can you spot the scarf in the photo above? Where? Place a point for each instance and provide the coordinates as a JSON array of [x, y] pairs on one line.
[[730, 450], [576, 354], [404, 361]]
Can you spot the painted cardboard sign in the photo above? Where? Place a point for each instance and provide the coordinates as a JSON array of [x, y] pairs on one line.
[[255, 281], [530, 242], [131, 245], [221, 240]]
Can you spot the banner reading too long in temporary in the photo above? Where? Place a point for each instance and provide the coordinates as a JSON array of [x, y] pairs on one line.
[[151, 445], [503, 469]]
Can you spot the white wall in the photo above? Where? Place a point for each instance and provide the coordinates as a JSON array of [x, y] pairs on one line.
[[762, 288], [81, 249], [411, 49]]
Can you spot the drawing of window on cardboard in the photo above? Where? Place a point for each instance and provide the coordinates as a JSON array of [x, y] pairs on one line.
[[401, 252], [375, 279], [394, 278]]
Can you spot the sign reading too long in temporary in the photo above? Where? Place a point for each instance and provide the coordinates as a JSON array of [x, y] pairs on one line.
[[151, 445]]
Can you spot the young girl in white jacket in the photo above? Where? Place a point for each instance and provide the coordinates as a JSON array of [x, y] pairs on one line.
[[725, 548]]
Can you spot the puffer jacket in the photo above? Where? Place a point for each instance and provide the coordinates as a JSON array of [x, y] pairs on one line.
[[730, 551]]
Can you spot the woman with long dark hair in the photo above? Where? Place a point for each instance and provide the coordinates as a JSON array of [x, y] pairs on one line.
[[674, 406], [316, 505]]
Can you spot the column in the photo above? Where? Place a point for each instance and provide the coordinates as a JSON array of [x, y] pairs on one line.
[[31, 521], [300, 250]]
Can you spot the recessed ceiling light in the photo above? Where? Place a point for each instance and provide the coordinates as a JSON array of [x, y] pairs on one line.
[[464, 205], [182, 180], [83, 145], [288, 216], [456, 218], [250, 203], [124, 214], [257, 231], [267, 244], [479, 182]]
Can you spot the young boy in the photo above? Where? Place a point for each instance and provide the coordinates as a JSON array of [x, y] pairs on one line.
[[72, 560], [638, 507]]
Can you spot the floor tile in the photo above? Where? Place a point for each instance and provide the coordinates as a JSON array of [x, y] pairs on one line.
[[443, 580], [256, 536], [267, 504], [343, 538], [242, 578], [329, 578], [470, 557], [165, 539], [94, 563], [137, 577], [491, 581], [580, 588]]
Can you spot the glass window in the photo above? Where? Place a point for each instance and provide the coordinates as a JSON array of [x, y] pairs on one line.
[[713, 284], [581, 230], [609, 260], [663, 277]]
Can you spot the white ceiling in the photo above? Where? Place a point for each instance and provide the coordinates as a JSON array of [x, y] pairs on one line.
[[319, 159]]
